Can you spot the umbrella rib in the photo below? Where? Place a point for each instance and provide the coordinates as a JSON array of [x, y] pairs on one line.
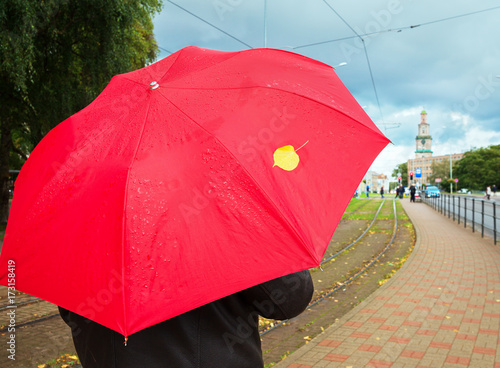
[[173, 63], [124, 211], [313, 256], [125, 75], [203, 69], [285, 91], [170, 67]]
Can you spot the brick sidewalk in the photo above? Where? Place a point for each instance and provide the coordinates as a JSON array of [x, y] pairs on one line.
[[442, 309]]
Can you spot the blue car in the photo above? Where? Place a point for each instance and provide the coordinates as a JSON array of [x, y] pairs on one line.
[[432, 192]]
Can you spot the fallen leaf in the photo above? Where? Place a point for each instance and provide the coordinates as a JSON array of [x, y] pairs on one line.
[[286, 158]]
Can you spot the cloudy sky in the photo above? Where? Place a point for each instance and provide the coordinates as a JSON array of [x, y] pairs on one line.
[[441, 56]]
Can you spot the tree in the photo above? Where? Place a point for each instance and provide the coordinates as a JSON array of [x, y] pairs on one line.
[[56, 57], [441, 170], [403, 170], [479, 168]]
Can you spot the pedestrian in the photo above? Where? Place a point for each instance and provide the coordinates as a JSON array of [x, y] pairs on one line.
[[488, 192], [401, 191], [367, 191], [494, 190], [412, 193], [223, 333], [382, 191]]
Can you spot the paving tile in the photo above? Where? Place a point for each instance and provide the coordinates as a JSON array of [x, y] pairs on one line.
[[457, 360], [379, 363], [336, 357]]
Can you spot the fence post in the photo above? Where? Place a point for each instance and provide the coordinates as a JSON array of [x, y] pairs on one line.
[[494, 223], [458, 209], [453, 198], [445, 208], [473, 215], [482, 218], [449, 206], [465, 212]]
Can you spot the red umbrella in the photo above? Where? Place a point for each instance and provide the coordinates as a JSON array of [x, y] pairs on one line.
[[193, 178]]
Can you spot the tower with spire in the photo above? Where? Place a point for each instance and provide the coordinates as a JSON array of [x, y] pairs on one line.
[[423, 140]]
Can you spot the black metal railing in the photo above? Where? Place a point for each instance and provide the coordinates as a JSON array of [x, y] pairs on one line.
[[468, 209]]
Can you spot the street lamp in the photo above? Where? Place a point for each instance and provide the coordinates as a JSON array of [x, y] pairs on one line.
[[339, 65]]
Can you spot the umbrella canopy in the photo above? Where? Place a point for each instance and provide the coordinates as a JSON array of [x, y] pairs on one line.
[[193, 178]]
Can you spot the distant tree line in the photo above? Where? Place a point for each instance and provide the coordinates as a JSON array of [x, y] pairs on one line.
[[477, 169]]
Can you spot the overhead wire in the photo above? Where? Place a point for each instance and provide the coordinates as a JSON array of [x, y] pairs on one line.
[[366, 55], [391, 29], [211, 25], [164, 49]]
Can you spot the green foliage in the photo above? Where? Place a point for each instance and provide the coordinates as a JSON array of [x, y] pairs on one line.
[[441, 170], [56, 56], [479, 168], [403, 170]]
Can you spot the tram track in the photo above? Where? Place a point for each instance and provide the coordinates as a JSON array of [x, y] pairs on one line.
[[341, 285]]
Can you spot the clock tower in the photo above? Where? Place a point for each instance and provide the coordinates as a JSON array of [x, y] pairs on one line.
[[423, 140]]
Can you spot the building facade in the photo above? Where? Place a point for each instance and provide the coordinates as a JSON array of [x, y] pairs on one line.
[[421, 165], [375, 181]]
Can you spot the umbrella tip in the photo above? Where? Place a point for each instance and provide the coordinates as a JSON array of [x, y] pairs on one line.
[[154, 85]]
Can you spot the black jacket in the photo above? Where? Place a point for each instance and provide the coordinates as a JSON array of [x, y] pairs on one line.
[[221, 334]]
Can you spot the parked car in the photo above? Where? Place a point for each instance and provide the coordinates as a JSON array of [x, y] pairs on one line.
[[432, 192]]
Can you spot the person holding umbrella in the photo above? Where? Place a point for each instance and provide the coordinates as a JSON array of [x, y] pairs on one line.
[[223, 333]]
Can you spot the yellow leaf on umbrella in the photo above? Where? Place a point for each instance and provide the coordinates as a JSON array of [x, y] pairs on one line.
[[286, 158]]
